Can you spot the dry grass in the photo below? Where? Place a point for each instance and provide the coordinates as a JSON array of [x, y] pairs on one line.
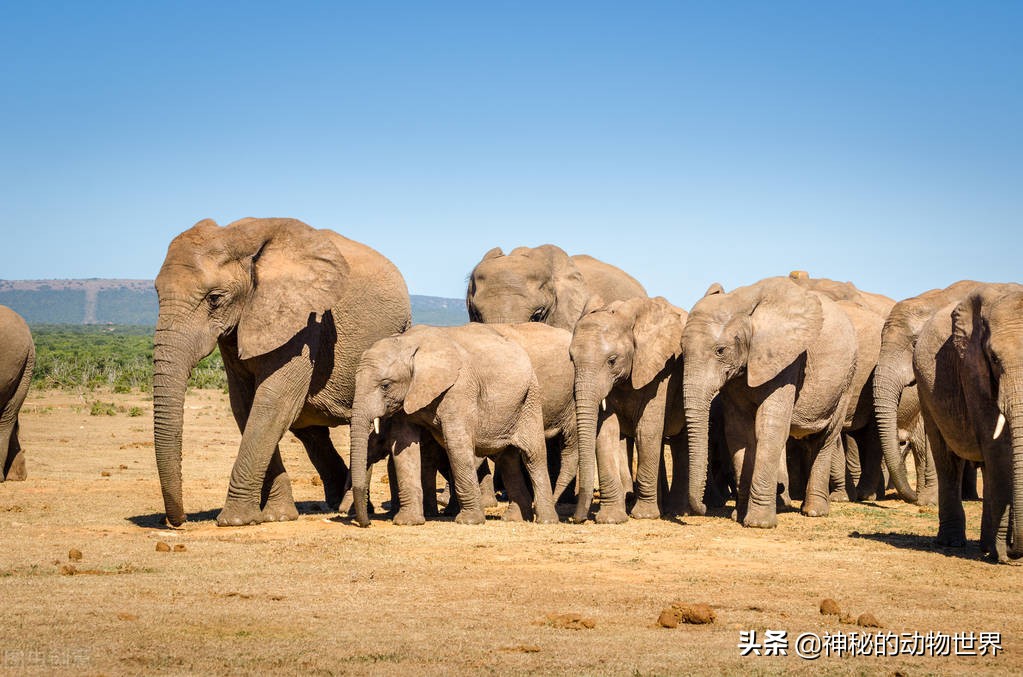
[[324, 597]]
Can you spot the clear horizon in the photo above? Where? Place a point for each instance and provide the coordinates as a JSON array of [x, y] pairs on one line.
[[687, 143]]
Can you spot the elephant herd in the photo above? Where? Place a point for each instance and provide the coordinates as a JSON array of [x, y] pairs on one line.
[[789, 389]]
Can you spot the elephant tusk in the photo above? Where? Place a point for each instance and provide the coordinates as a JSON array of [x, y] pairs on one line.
[[376, 425], [999, 426], [603, 404]]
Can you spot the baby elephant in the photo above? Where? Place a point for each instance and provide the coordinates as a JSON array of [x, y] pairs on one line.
[[475, 392], [17, 357]]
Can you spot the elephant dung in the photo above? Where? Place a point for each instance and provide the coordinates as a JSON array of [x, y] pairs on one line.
[[669, 617], [75, 555], [570, 621], [829, 607], [694, 614], [179, 547], [162, 547], [867, 620]]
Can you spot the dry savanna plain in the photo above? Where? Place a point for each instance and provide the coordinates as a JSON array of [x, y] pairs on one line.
[[320, 596]]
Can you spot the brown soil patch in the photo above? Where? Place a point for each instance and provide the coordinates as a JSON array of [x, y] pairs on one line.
[[325, 597]]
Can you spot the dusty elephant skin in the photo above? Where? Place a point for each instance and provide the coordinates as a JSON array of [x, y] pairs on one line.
[[968, 364], [545, 284], [783, 360], [629, 354], [475, 392], [17, 358], [895, 392], [291, 308]]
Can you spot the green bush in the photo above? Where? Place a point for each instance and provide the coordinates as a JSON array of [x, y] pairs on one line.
[[113, 356]]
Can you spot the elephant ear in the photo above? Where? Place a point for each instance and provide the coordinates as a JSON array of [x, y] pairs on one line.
[[435, 368], [965, 318], [570, 291], [785, 319], [714, 288], [296, 271], [657, 333]]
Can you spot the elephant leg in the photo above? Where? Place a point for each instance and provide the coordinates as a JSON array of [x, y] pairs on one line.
[[784, 499], [738, 433], [650, 453], [845, 469], [677, 496], [817, 503], [276, 497], [970, 482], [568, 447], [485, 476], [871, 485], [926, 473], [531, 442], [771, 428], [520, 502], [432, 459], [328, 463], [628, 449], [13, 469], [406, 455], [610, 468], [12, 456], [949, 468], [462, 457]]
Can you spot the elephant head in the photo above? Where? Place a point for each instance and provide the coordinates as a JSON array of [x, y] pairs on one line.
[[258, 281], [401, 373], [754, 333], [539, 284], [628, 341], [894, 372], [987, 333]]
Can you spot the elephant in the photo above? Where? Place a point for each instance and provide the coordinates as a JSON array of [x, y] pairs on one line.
[[475, 392], [629, 355], [896, 401], [968, 364], [16, 363], [292, 308], [544, 284], [783, 359]]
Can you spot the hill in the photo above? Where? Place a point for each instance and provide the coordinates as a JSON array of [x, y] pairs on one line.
[[133, 302]]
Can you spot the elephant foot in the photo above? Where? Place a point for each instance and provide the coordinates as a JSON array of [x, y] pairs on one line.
[[675, 507], [760, 518], [645, 510], [488, 499], [333, 495], [548, 516], [951, 540], [514, 513], [470, 517], [282, 512], [839, 496], [582, 513], [408, 518], [868, 496], [927, 498], [611, 513], [239, 515], [17, 471], [815, 507]]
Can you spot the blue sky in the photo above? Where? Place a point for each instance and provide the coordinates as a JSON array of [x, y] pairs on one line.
[[878, 142]]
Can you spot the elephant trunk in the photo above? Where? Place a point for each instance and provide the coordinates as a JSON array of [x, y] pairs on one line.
[[172, 367], [587, 399], [361, 424], [888, 389], [697, 400], [1014, 416]]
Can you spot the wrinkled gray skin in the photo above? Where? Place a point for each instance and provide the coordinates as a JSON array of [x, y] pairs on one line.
[[968, 364], [476, 393], [629, 354], [292, 308], [895, 392], [782, 359], [544, 284], [17, 358]]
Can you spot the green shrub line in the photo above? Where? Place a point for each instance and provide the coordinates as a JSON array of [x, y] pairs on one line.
[[119, 357]]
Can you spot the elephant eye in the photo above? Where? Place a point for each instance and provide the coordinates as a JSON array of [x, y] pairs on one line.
[[214, 299], [537, 315], [720, 351], [612, 360], [384, 385]]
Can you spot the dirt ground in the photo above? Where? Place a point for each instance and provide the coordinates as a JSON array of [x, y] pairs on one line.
[[323, 597]]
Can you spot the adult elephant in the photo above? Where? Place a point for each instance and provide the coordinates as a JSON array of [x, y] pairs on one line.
[[292, 309], [782, 358], [968, 363], [545, 284], [895, 390], [16, 362]]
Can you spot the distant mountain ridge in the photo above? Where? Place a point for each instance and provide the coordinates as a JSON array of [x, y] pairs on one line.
[[115, 301]]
